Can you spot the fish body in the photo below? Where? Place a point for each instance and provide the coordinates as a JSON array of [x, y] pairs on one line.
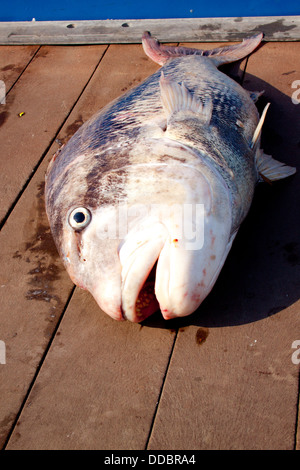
[[145, 199]]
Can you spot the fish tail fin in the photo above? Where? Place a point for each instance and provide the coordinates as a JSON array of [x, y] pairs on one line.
[[228, 54], [221, 55]]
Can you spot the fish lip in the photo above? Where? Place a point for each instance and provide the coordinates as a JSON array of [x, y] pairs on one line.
[[138, 256]]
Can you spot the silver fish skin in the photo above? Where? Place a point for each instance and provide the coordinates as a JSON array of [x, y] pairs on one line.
[[122, 196]]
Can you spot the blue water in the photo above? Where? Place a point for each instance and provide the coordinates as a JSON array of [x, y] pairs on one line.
[[25, 10]]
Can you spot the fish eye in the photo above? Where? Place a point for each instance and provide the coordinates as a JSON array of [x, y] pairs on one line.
[[79, 218]]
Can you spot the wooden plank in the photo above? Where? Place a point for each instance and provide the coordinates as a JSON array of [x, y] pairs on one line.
[[235, 391], [276, 28], [288, 125], [45, 92], [128, 361], [99, 385], [34, 285], [13, 61], [231, 383]]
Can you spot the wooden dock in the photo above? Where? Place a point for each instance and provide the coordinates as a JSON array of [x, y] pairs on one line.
[[226, 377]]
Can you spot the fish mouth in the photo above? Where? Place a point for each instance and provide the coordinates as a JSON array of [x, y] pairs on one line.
[[146, 302], [138, 256]]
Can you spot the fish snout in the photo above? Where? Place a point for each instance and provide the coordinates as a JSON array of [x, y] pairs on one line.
[[186, 274], [161, 268]]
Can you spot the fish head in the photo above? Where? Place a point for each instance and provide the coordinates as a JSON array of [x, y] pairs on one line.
[[197, 243], [89, 250], [164, 252]]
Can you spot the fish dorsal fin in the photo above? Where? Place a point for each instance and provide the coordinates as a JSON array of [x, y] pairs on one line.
[[176, 97], [257, 132], [270, 169]]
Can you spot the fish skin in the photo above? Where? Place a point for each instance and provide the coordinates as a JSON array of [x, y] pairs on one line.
[[131, 152]]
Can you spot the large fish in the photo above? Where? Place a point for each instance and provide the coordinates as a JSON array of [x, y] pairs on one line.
[[144, 201]]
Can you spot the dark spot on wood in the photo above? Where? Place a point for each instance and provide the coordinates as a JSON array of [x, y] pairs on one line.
[[3, 117], [41, 273], [72, 128], [43, 52], [264, 372], [201, 335], [8, 67], [277, 26], [289, 73], [211, 27], [41, 241], [39, 252], [42, 295]]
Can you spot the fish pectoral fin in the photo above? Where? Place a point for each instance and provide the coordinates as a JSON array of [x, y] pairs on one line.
[[270, 169], [176, 97]]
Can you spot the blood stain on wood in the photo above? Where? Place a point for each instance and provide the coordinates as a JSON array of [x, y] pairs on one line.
[[201, 335]]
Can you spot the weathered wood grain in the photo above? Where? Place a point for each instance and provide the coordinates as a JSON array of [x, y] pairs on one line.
[[45, 93], [13, 61], [276, 28], [99, 385]]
